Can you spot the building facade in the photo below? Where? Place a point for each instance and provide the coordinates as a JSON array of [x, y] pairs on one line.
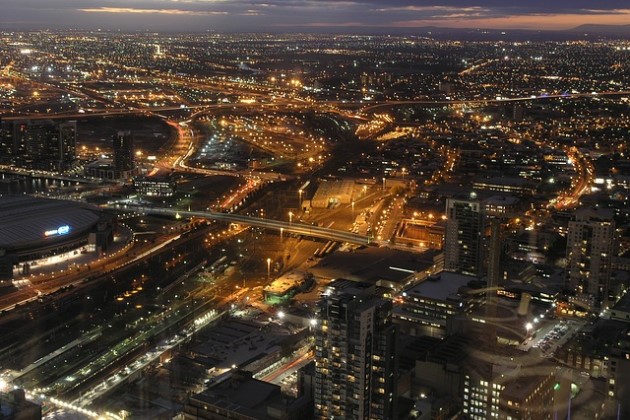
[[355, 354], [590, 248], [124, 162], [463, 239], [45, 144], [155, 186], [427, 307]]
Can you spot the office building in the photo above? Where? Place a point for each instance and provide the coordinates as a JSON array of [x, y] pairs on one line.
[[355, 354], [590, 248], [427, 307], [512, 185], [528, 397], [463, 239], [101, 168], [239, 396], [123, 154], [505, 392], [162, 186]]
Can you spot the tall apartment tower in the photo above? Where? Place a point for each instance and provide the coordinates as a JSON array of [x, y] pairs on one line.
[[43, 145], [463, 244], [494, 254], [590, 248], [6, 142], [123, 154], [355, 354], [65, 154]]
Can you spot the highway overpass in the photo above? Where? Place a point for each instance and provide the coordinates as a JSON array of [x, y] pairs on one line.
[[288, 227]]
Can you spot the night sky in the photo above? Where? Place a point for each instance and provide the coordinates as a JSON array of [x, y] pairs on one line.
[[308, 15]]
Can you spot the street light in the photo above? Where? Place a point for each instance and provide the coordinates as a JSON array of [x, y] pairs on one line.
[[353, 208], [290, 217], [281, 231], [268, 267], [384, 184], [300, 197]]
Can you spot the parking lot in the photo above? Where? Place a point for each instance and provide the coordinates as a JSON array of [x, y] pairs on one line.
[[557, 336]]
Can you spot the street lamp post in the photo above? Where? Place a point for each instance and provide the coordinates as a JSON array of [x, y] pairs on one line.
[[281, 231], [384, 184], [290, 217], [352, 208], [268, 268], [300, 197]]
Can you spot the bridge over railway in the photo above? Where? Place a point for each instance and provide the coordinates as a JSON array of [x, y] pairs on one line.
[[288, 227]]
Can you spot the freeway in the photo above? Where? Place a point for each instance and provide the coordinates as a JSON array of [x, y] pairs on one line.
[[581, 183], [390, 104], [186, 146], [260, 105], [111, 112], [289, 227]]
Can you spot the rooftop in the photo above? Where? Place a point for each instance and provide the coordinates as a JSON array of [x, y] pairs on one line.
[[441, 286], [32, 221], [242, 394], [373, 264], [285, 283]]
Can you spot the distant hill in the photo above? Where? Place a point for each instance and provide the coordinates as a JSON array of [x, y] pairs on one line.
[[481, 34], [603, 29]]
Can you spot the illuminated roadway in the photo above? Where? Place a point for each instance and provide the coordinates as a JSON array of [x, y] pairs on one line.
[[582, 182], [49, 175], [186, 141], [288, 227], [295, 103], [497, 100]]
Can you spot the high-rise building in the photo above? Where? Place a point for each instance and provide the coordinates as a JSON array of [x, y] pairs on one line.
[[496, 391], [43, 145], [590, 248], [6, 142], [494, 255], [355, 354], [123, 154], [463, 238], [66, 153]]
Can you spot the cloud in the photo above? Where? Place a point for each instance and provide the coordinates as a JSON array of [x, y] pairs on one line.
[[152, 11], [430, 9], [247, 15], [531, 21], [322, 25]]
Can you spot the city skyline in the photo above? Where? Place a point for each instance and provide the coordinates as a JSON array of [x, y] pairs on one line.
[[205, 225], [303, 15]]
